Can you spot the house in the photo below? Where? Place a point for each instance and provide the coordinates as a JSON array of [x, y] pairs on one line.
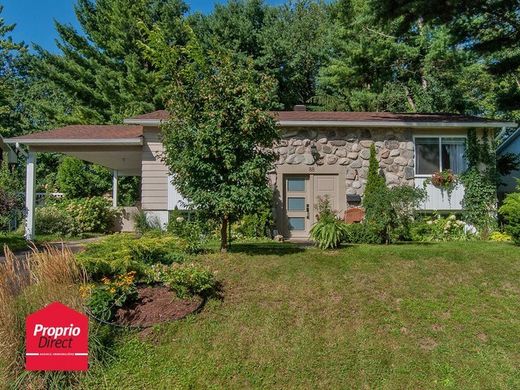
[[321, 153], [510, 146]]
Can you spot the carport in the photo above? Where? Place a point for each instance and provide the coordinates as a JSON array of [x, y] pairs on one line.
[[116, 147]]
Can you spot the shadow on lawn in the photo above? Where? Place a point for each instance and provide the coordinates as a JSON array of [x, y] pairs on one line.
[[265, 248]]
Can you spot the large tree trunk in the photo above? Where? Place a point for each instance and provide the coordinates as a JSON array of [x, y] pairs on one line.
[[224, 235]]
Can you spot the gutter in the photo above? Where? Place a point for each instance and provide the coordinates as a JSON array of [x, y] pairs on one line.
[[71, 142]]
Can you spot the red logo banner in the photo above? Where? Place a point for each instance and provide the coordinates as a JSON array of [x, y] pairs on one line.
[[56, 339]]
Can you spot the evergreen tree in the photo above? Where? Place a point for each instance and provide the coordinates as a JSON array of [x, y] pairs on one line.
[[102, 68], [377, 67]]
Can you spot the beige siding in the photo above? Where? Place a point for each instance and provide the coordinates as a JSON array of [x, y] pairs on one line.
[[154, 189]]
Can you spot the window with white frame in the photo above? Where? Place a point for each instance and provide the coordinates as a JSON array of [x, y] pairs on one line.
[[434, 154]]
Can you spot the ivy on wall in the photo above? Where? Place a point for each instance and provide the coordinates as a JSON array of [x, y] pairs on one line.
[[480, 183]]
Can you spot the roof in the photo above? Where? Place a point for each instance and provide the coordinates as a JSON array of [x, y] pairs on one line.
[[512, 138], [84, 134], [344, 118]]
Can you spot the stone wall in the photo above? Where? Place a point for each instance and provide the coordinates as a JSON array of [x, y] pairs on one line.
[[350, 148]]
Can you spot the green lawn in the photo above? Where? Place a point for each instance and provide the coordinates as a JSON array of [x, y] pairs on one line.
[[401, 316], [16, 242]]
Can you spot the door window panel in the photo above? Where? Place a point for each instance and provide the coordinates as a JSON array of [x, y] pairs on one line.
[[296, 184], [296, 223], [296, 204]]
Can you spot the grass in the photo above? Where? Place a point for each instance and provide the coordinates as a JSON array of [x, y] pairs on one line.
[[401, 316], [15, 241]]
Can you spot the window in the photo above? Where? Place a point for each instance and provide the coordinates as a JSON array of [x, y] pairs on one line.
[[439, 153]]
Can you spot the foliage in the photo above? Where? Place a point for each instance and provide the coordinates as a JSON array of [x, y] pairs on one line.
[[480, 182], [11, 204], [440, 228], [73, 217], [105, 298], [510, 210], [90, 214], [190, 233], [187, 279], [256, 225], [375, 66], [362, 233], [445, 180], [288, 42], [121, 253], [77, 179], [329, 231], [500, 237], [144, 223], [488, 29], [375, 181], [389, 210], [102, 67], [213, 98]]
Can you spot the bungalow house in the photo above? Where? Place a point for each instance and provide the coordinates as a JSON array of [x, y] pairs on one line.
[[510, 146], [321, 153]]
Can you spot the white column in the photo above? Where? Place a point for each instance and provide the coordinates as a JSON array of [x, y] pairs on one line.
[[30, 195], [114, 188]]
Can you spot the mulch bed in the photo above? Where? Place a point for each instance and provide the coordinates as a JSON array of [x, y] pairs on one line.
[[156, 304]]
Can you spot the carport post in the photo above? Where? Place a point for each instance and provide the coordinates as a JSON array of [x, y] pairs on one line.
[[30, 195], [114, 188]]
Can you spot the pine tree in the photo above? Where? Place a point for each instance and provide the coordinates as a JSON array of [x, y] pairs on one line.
[[102, 69]]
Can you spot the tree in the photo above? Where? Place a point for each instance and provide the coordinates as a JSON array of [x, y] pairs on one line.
[[488, 28], [77, 179], [102, 68], [219, 138], [288, 42], [377, 67]]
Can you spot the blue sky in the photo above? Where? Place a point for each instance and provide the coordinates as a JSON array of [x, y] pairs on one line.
[[34, 19]]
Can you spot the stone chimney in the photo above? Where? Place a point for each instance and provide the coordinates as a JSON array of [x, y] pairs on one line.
[[300, 107]]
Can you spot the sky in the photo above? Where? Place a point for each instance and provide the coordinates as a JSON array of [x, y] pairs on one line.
[[34, 19]]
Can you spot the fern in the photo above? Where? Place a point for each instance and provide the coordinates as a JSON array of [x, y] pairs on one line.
[[329, 232]]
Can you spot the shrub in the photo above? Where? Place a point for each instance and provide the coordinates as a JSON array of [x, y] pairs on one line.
[[329, 231], [500, 237], [362, 233], [254, 225], [76, 216], [11, 202], [122, 253], [442, 229], [190, 233], [53, 219], [103, 299], [186, 279], [91, 215], [510, 210]]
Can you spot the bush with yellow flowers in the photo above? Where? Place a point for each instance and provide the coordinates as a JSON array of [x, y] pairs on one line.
[[104, 298]]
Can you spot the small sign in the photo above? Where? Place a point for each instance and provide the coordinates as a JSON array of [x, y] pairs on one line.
[[56, 339]]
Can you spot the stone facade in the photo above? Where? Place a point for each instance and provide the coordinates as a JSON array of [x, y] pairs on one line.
[[350, 148]]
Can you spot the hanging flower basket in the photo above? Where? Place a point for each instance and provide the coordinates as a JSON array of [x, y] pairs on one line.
[[445, 180]]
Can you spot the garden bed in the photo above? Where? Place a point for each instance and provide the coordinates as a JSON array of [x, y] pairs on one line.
[[154, 305]]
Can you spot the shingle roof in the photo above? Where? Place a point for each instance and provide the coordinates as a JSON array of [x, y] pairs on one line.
[[86, 132], [346, 116], [373, 116], [155, 115]]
